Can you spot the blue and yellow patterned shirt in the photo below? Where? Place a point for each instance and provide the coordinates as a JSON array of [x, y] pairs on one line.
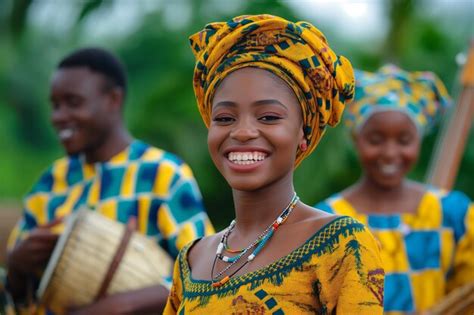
[[425, 254], [150, 184]]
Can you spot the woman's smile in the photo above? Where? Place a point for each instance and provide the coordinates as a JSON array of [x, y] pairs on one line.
[[246, 158]]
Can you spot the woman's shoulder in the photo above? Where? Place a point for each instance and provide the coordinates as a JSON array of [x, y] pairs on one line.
[[337, 203], [332, 229], [343, 240], [203, 247], [345, 236], [455, 206], [347, 227], [453, 203], [454, 199]]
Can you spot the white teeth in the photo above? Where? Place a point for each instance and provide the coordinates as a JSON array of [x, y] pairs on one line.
[[389, 169], [246, 158], [65, 134]]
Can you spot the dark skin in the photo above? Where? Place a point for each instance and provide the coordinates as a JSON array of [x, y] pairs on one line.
[[30, 256], [388, 145], [87, 114], [255, 111]]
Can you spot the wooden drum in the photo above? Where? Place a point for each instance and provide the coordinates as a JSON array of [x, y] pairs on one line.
[[460, 301], [95, 257]]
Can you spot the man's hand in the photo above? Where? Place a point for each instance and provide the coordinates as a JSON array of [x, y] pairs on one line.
[[112, 305], [29, 256], [149, 300]]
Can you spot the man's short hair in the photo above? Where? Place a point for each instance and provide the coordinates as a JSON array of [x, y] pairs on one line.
[[98, 60]]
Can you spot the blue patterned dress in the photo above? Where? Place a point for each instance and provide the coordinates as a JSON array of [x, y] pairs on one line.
[[425, 254]]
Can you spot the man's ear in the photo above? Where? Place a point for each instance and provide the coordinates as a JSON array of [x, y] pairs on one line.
[[116, 97]]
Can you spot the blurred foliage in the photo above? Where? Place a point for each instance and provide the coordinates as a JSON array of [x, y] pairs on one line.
[[161, 107]]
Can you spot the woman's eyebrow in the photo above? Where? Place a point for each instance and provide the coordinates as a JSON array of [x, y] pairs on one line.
[[270, 101], [224, 104], [258, 103]]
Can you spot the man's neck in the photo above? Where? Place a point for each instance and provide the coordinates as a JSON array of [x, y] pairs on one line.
[[115, 144]]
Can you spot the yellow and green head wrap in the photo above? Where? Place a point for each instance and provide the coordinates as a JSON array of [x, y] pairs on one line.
[[420, 95], [297, 52]]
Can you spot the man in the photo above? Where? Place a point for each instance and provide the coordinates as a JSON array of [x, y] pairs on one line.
[[107, 170]]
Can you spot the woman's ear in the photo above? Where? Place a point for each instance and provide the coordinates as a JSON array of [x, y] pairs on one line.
[[303, 146]]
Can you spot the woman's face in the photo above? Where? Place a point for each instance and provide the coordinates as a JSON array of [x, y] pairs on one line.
[[388, 145], [255, 130]]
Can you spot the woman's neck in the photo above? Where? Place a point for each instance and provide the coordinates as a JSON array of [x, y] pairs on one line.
[[378, 192], [256, 210], [368, 196]]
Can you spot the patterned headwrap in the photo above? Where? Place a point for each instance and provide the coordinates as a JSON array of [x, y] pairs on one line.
[[421, 95], [298, 53]]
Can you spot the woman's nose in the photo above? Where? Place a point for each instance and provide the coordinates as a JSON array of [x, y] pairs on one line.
[[244, 130], [390, 150]]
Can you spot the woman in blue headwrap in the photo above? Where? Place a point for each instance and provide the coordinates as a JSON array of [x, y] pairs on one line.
[[426, 234]]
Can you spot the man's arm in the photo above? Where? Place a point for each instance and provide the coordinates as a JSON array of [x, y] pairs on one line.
[[151, 300]]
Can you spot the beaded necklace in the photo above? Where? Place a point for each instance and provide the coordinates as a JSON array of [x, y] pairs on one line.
[[259, 243]]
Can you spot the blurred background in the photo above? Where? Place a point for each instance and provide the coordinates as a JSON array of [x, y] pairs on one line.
[[151, 37]]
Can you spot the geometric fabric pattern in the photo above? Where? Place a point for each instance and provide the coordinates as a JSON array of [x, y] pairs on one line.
[[425, 254]]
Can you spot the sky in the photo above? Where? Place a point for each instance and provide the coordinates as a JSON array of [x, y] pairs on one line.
[[359, 19]]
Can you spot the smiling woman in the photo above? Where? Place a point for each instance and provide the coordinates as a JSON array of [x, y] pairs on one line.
[[266, 89], [251, 125], [388, 146], [426, 234]]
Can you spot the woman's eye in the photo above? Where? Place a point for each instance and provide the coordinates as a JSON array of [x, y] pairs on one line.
[[375, 140], [223, 119], [405, 140], [269, 118]]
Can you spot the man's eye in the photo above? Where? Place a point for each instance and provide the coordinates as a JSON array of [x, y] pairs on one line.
[[73, 101]]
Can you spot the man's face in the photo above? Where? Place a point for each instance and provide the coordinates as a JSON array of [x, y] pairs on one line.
[[82, 111]]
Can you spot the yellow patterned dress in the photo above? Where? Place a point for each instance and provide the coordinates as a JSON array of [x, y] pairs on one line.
[[425, 254], [150, 184], [338, 269]]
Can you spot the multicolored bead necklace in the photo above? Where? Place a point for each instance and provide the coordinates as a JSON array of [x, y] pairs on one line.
[[259, 243]]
